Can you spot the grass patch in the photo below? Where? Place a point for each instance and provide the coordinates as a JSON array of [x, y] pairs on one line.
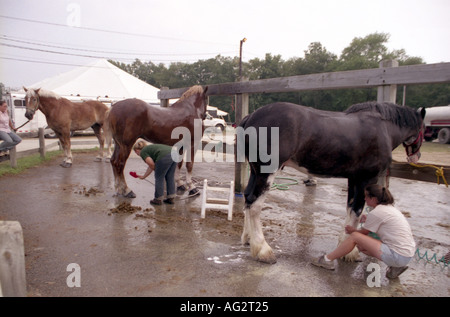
[[33, 160], [27, 162]]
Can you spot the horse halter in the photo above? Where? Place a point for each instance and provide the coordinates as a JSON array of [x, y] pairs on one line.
[[38, 102], [413, 146]]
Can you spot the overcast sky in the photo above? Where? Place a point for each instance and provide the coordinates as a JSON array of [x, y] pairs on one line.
[[41, 38]]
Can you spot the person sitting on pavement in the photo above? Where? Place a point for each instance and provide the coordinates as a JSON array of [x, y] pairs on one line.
[[396, 246]]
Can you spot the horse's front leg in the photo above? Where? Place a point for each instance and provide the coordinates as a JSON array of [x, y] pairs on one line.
[[178, 181], [64, 139], [351, 220], [355, 206], [253, 232], [191, 187]]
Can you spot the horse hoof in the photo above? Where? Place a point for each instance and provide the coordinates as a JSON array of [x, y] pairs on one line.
[[194, 192], [263, 253], [269, 258], [131, 194], [98, 159], [181, 189], [310, 182], [66, 165]]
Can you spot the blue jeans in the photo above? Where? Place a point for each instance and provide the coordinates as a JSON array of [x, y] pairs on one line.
[[165, 174], [10, 140]]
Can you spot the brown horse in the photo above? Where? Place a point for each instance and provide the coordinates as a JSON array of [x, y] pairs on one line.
[[131, 119], [64, 116]]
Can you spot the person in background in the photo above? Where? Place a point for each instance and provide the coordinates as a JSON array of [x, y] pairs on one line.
[[159, 159], [396, 246], [10, 139]]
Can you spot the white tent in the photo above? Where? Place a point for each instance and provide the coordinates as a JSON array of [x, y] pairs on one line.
[[99, 79]]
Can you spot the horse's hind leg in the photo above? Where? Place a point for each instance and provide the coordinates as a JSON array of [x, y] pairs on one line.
[[178, 181], [118, 161], [260, 184], [101, 140]]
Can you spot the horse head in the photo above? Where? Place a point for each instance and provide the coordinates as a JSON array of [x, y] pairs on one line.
[[201, 99], [204, 103], [31, 102], [413, 143]]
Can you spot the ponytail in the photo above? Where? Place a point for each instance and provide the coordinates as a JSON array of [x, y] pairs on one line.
[[139, 145], [382, 194]]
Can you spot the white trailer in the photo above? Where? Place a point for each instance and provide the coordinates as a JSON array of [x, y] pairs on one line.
[[16, 108], [437, 124]]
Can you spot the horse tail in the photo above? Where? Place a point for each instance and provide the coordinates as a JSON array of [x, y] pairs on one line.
[[107, 129]]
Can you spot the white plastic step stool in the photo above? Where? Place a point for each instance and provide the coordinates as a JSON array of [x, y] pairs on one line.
[[217, 203]]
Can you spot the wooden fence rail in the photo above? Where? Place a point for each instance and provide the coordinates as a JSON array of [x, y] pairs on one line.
[[366, 78]]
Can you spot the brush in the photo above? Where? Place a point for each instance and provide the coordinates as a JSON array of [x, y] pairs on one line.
[[134, 174]]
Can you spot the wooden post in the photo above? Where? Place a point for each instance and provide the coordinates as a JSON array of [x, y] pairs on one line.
[[12, 260], [164, 102], [41, 142], [13, 157], [240, 168], [387, 93]]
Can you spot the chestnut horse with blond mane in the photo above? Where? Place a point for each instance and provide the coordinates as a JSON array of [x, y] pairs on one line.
[[64, 116], [131, 119]]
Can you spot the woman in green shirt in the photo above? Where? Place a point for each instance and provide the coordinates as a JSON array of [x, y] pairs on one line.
[[159, 159]]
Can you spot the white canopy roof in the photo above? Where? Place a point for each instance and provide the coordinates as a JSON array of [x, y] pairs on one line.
[[99, 79]]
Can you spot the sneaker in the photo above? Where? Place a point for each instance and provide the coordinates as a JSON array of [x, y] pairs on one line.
[[321, 262], [169, 201], [394, 272], [155, 201]]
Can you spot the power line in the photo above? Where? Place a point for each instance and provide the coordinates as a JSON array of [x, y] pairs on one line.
[[112, 32], [8, 38], [44, 62], [88, 56]]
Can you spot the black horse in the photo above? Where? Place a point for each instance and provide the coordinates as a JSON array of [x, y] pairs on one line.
[[356, 144]]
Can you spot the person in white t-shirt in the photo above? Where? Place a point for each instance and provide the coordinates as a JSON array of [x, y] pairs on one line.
[[396, 246]]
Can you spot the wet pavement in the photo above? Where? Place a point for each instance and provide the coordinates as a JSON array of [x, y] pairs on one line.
[[71, 216]]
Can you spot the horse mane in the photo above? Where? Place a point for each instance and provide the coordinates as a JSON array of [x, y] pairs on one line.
[[44, 93], [197, 89], [402, 116]]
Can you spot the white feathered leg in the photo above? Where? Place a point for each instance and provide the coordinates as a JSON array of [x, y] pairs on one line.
[[253, 229], [353, 221]]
